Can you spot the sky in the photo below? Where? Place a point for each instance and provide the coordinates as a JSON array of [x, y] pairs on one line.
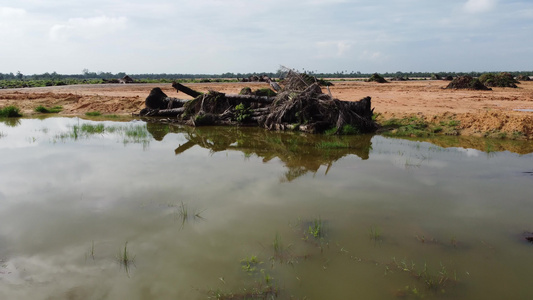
[[242, 36]]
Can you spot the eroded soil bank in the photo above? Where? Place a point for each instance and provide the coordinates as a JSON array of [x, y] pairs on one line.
[[502, 112]]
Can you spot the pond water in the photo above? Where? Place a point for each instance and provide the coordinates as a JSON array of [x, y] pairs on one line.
[[126, 210]]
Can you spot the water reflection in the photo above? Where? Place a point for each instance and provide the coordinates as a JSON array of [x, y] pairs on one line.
[[10, 122], [199, 220], [301, 153]]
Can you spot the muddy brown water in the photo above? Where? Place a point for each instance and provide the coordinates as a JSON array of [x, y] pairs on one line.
[[210, 212]]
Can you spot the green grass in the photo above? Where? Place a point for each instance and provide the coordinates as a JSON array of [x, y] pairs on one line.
[[130, 133], [374, 233], [10, 112], [45, 110], [278, 246], [124, 257], [418, 127], [92, 128], [184, 214], [434, 281], [316, 229], [93, 113], [249, 265]]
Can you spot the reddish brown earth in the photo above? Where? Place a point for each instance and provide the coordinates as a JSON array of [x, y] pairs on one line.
[[479, 112]]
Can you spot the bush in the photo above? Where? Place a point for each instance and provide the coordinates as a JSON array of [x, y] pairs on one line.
[[498, 80], [10, 112]]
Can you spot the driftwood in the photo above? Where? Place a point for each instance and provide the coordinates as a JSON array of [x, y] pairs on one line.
[[300, 105]]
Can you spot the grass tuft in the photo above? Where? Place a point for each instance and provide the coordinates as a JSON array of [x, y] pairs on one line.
[[316, 229], [45, 110]]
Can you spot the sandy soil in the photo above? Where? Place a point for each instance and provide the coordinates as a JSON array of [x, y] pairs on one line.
[[502, 110]]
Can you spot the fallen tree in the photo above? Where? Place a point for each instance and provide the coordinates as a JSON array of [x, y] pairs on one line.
[[299, 105]]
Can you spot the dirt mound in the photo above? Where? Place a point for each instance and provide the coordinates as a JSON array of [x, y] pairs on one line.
[[496, 124], [467, 82], [498, 80]]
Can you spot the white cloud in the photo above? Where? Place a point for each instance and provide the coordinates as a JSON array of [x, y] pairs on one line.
[[87, 28], [333, 48], [9, 12], [371, 55], [479, 6]]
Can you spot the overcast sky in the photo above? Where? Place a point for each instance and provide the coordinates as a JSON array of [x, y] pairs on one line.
[[218, 36]]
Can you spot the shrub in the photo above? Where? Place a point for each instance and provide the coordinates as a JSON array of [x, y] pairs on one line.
[[498, 80], [10, 112]]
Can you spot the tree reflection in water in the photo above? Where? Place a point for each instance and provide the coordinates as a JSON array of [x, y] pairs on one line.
[[301, 153]]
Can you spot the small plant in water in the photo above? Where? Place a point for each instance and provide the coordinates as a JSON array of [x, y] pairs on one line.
[[124, 257], [316, 229], [249, 265], [434, 282], [278, 247], [374, 233], [184, 215]]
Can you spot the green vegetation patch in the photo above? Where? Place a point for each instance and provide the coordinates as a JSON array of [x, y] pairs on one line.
[[93, 113], [10, 112], [242, 113], [498, 80], [418, 127], [265, 92], [45, 110]]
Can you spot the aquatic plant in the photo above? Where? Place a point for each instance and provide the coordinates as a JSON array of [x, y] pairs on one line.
[[124, 257], [316, 229], [433, 281], [262, 288], [10, 112], [277, 245], [249, 265], [374, 233], [92, 128], [183, 213]]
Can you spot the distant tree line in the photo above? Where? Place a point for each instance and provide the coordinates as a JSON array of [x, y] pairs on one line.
[[10, 80]]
